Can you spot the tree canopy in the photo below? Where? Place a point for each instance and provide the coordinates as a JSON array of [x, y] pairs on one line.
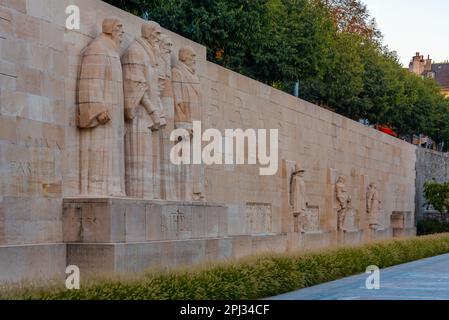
[[332, 47]]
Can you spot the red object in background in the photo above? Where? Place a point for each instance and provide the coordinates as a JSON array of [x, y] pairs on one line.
[[387, 131]]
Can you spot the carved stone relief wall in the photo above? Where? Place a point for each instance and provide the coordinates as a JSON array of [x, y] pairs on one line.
[[56, 125], [259, 218]]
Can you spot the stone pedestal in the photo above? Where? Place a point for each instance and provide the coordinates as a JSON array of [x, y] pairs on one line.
[[402, 223], [130, 235], [114, 220]]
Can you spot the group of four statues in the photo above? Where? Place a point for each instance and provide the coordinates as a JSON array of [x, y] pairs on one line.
[[121, 102]]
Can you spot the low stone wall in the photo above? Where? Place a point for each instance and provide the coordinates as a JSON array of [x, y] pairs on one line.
[[430, 165]]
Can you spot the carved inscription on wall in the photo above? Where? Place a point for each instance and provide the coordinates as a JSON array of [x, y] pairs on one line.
[[312, 219], [174, 224], [41, 168], [259, 218]]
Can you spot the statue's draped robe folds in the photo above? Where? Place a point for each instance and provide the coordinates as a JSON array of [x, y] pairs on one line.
[[298, 201], [140, 76], [298, 196], [165, 77], [373, 206], [100, 89], [168, 186], [343, 199], [186, 94]]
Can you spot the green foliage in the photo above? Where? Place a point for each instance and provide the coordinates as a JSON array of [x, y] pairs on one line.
[[332, 47], [250, 278], [426, 227], [437, 194], [352, 16]]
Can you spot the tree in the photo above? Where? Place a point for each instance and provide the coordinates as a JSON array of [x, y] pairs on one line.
[[332, 47], [437, 195], [352, 16]]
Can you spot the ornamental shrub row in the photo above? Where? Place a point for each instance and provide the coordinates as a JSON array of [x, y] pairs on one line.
[[250, 278]]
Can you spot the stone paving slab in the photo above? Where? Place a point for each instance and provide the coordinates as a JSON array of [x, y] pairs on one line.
[[426, 279]]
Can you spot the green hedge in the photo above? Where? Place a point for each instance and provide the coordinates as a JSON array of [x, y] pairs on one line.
[[255, 277], [432, 226]]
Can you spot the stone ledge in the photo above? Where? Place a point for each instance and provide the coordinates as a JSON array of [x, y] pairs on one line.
[[114, 220], [96, 199]]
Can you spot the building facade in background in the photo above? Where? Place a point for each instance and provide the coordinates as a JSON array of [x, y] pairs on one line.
[[437, 71]]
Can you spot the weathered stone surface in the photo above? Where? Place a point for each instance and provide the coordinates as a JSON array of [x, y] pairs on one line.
[[379, 234], [316, 240], [29, 220], [109, 220], [402, 220], [350, 238], [137, 257], [43, 261], [142, 113], [403, 233], [430, 165], [101, 114], [40, 159]]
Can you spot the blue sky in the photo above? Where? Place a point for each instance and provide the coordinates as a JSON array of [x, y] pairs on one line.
[[410, 26]]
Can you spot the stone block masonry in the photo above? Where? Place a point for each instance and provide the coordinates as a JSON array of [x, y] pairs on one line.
[[134, 208], [430, 165]]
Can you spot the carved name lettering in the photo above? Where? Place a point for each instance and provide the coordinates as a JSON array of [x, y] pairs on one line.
[[259, 217]]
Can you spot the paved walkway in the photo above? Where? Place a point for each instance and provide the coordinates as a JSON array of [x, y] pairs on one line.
[[426, 279]]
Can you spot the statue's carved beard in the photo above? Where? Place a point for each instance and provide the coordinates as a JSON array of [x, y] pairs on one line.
[[192, 67], [117, 39]]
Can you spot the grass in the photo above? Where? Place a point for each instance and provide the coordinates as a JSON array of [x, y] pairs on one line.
[[250, 278]]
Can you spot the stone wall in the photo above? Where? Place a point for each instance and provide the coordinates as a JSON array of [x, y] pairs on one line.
[[429, 165], [39, 143], [326, 144]]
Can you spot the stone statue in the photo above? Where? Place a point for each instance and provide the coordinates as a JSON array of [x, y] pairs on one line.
[[298, 201], [100, 114], [344, 202], [186, 94], [186, 90], [142, 111], [373, 206], [166, 45], [140, 74]]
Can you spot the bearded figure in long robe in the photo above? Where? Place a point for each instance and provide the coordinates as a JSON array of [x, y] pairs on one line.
[[100, 114], [142, 112], [167, 186], [187, 97]]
